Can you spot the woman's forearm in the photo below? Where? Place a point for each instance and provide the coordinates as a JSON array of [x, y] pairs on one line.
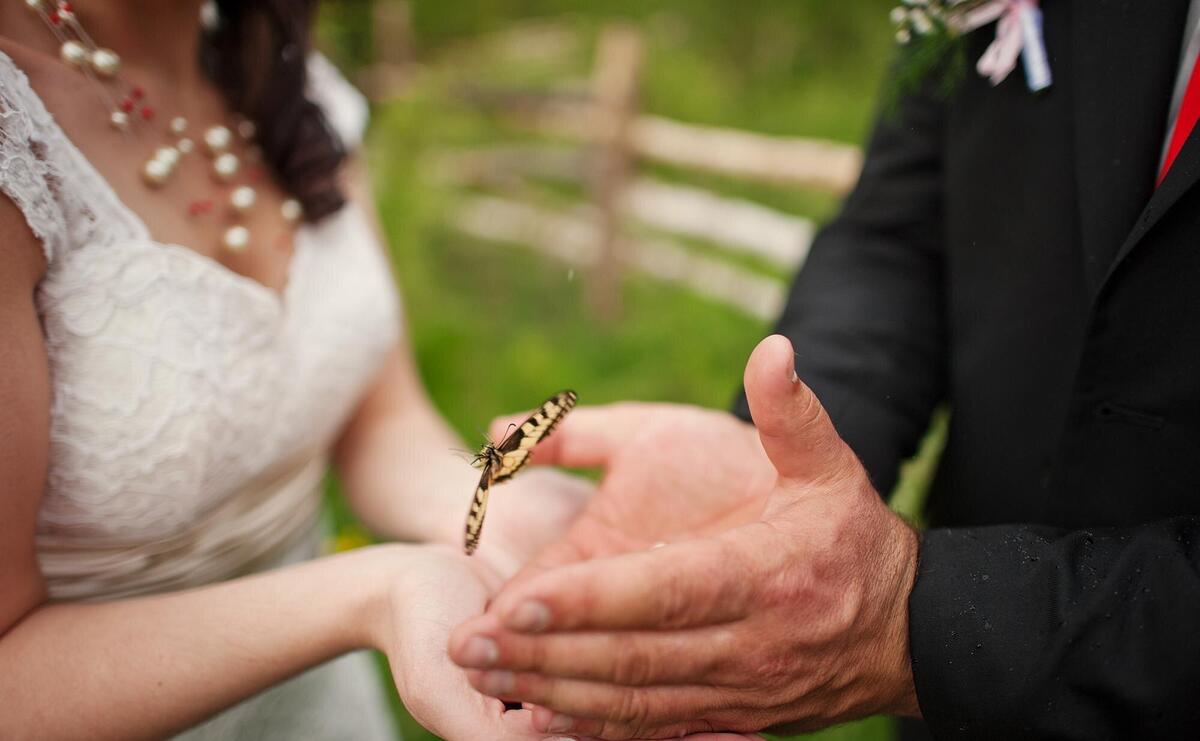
[[147, 667], [402, 467], [410, 481]]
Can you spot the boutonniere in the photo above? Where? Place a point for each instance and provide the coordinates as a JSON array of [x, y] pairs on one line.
[[930, 28]]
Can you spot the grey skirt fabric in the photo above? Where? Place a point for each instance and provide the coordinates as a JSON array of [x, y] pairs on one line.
[[339, 701]]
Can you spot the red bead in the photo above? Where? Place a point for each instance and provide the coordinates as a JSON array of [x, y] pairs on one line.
[[127, 105], [203, 206], [65, 7], [55, 18], [147, 112], [138, 93]]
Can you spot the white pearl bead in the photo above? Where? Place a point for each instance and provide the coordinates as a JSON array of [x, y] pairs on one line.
[[291, 210], [156, 172], [247, 129], [33, 4], [225, 167], [242, 198], [74, 53], [210, 17], [178, 125], [106, 62], [217, 139], [185, 145], [170, 155], [119, 120], [236, 239]]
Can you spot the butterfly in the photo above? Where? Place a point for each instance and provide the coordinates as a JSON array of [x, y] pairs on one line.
[[501, 461]]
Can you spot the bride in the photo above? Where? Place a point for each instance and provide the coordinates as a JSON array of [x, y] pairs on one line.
[[196, 321], [196, 317]]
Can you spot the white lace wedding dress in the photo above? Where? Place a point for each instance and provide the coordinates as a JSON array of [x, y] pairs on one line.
[[193, 407]]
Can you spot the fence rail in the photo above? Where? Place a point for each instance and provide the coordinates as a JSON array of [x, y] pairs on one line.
[[573, 238], [608, 138]]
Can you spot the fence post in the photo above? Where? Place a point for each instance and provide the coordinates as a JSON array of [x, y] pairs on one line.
[[391, 37], [615, 91]]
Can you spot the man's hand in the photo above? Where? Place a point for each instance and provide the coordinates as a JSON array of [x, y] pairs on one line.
[[671, 472], [797, 618]]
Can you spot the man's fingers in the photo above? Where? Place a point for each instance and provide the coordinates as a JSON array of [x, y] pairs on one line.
[[691, 583], [555, 555], [595, 709], [796, 433], [587, 437], [689, 737], [631, 658], [586, 538]]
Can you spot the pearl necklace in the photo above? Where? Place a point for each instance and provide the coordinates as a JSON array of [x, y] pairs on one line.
[[102, 66]]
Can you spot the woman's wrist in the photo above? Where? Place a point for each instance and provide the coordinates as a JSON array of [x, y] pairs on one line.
[[374, 576], [384, 579], [535, 510]]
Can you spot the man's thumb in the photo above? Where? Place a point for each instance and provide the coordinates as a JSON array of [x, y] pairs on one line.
[[795, 431]]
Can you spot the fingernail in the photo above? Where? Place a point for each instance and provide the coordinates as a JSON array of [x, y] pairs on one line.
[[559, 724], [480, 652], [529, 617], [497, 683]]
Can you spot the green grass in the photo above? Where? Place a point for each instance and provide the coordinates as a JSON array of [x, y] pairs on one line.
[[496, 327]]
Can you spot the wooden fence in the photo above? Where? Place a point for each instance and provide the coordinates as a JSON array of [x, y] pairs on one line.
[[609, 138]]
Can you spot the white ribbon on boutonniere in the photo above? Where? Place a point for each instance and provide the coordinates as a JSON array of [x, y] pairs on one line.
[[1018, 35]]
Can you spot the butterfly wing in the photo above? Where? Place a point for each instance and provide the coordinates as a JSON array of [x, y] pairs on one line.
[[511, 455], [477, 512], [516, 449]]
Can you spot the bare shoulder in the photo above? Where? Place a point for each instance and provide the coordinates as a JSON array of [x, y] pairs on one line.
[[24, 415], [22, 258]]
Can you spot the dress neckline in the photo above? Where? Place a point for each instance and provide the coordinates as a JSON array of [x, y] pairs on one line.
[[278, 300]]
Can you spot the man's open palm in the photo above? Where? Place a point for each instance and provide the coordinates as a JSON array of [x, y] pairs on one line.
[[670, 472]]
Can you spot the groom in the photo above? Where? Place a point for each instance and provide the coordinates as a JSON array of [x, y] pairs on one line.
[[1016, 257]]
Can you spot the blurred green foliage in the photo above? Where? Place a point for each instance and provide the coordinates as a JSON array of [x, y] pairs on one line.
[[496, 328]]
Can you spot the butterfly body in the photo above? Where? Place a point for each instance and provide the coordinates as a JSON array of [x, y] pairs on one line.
[[499, 462]]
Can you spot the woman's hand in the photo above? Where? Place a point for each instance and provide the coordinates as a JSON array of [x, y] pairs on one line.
[[525, 514], [438, 588]]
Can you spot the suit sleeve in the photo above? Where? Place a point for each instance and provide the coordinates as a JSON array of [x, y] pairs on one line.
[[866, 312], [1028, 632]]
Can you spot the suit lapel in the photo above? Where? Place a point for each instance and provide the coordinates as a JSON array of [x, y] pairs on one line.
[[1124, 63], [1182, 176]]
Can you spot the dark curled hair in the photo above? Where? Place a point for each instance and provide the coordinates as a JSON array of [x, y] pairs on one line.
[[257, 55]]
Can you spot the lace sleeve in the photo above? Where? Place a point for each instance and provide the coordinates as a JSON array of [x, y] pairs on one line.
[[344, 106], [27, 174]]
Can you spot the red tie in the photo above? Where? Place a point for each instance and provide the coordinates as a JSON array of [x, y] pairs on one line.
[[1189, 113]]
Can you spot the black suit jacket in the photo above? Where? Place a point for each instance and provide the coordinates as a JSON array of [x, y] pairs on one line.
[[1008, 254]]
